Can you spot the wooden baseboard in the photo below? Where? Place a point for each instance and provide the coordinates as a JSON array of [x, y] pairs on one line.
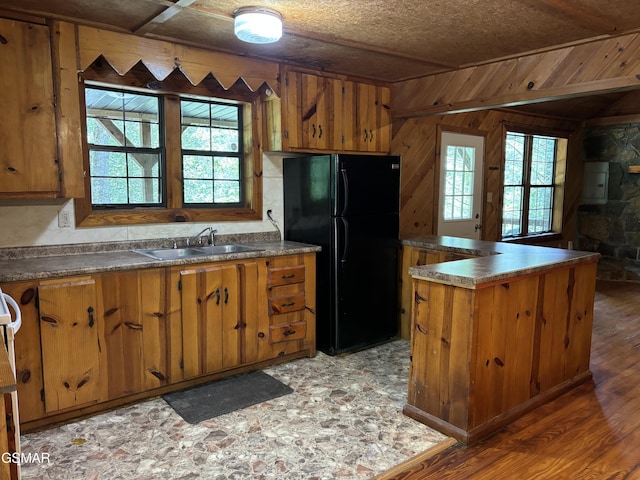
[[421, 457], [97, 408], [480, 432]]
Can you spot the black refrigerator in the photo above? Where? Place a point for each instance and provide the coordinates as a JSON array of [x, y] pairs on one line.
[[349, 205]]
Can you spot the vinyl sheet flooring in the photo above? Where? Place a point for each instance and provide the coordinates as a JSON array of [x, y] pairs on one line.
[[343, 421]]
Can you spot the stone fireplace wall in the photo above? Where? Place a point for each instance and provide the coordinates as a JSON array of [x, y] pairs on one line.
[[613, 229]]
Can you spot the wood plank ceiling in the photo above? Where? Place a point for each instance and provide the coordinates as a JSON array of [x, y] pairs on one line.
[[378, 40]]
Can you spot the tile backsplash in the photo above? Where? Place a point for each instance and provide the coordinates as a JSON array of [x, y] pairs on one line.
[[30, 223]]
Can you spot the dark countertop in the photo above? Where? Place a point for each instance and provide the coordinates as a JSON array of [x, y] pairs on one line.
[[75, 261], [496, 261]]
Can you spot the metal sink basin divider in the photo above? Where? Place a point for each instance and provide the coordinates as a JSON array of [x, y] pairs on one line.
[[188, 252]]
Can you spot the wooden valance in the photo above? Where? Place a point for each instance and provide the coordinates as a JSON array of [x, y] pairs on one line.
[[123, 51]]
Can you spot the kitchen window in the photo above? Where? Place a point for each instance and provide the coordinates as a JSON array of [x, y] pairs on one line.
[[126, 149], [170, 152], [211, 153], [532, 188]]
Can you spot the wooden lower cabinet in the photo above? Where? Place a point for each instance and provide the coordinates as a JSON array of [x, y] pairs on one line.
[[140, 332], [287, 305], [69, 323], [414, 257], [29, 379], [218, 317], [482, 357], [94, 342]]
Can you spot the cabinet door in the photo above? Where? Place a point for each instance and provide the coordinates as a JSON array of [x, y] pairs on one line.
[[137, 330], [27, 348], [314, 112], [70, 349], [27, 124], [370, 117], [219, 324]]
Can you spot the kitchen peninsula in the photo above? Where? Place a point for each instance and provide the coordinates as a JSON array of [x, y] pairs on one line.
[[495, 333]]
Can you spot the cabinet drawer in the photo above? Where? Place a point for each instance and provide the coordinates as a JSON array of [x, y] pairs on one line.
[[286, 303], [287, 332], [285, 275]]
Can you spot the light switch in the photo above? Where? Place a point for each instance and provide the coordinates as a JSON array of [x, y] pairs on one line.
[[489, 197]]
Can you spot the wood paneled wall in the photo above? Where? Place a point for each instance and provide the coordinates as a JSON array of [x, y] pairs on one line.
[[605, 65], [416, 139]]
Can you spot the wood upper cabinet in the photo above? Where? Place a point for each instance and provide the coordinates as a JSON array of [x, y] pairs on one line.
[[324, 113], [313, 112], [367, 117], [69, 323], [218, 317], [28, 157], [140, 333]]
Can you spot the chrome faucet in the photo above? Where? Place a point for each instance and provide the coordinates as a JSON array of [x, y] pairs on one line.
[[197, 236]]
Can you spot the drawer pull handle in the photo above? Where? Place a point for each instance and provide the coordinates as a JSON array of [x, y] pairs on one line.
[[91, 319], [287, 277], [226, 295], [290, 304], [286, 333]]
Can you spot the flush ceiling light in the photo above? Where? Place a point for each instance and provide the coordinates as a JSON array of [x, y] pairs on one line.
[[257, 24]]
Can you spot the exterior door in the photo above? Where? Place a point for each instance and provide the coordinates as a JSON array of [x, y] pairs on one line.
[[461, 179]]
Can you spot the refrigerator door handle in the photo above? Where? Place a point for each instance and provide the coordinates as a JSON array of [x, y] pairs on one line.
[[345, 188], [345, 250]]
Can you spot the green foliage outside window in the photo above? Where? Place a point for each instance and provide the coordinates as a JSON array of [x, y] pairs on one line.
[[126, 150]]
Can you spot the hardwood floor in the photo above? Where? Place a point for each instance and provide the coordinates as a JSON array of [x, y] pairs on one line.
[[592, 432]]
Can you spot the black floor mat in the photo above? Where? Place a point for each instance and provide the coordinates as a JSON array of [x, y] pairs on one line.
[[223, 396]]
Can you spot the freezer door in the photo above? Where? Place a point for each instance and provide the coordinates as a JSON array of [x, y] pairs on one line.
[[307, 199], [366, 280], [366, 185]]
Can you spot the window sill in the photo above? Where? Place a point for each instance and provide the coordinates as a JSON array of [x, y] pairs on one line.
[[534, 239], [105, 218]]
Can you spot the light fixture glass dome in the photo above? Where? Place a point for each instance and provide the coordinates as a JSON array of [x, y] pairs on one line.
[[257, 24]]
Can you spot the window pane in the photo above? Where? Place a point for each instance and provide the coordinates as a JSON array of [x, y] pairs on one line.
[[226, 192], [448, 183], [198, 191], [227, 168], [466, 206], [143, 165], [144, 190], [540, 209], [458, 182], [514, 159], [512, 211], [107, 191], [543, 155], [196, 138], [225, 140], [197, 167], [107, 164]]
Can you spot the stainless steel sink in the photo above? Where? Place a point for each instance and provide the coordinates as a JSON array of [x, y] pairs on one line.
[[189, 252], [231, 248]]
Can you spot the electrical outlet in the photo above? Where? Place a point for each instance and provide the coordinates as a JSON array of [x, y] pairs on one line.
[[64, 219]]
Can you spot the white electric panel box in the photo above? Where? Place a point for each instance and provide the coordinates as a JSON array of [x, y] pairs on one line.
[[595, 189]]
